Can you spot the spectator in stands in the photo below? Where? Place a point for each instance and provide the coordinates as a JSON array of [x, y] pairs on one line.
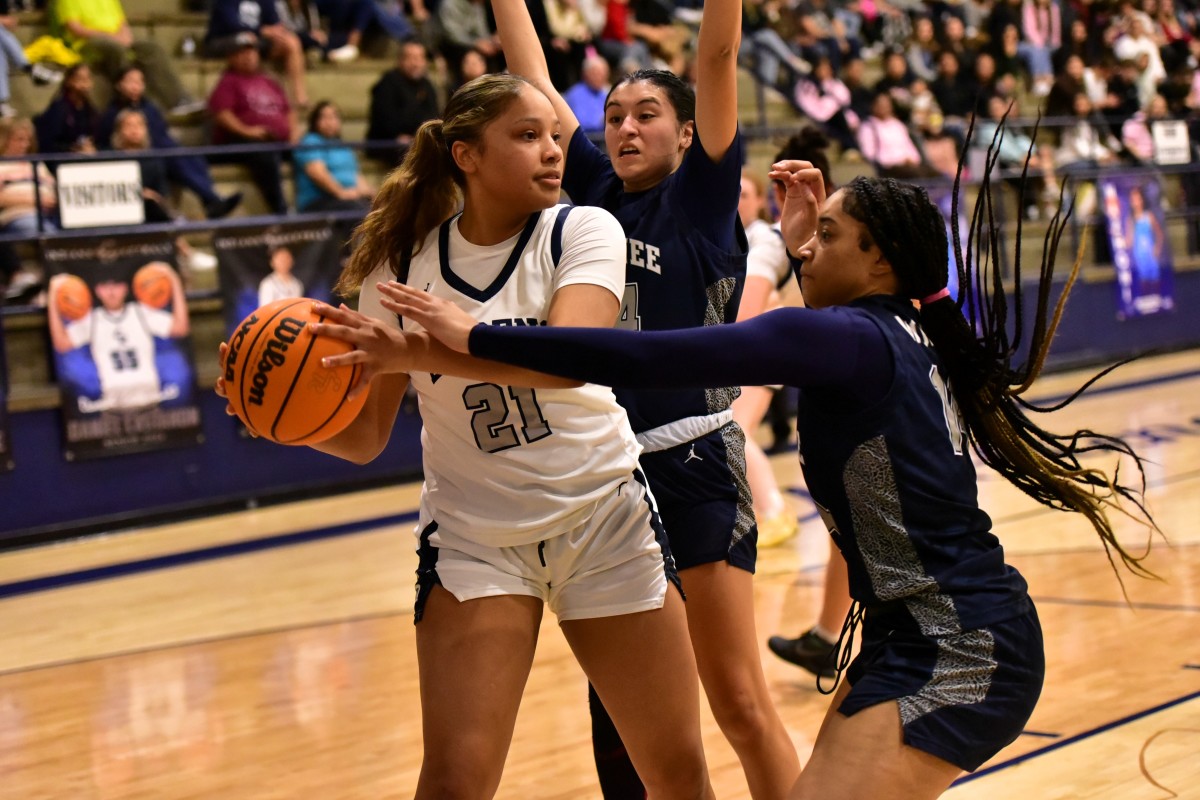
[[472, 64], [896, 83], [132, 133], [1007, 54], [984, 81], [12, 56], [1140, 47], [822, 33], [624, 51], [190, 172], [346, 22], [327, 173], [1177, 40], [68, 124], [765, 49], [885, 142], [565, 38], [1078, 42], [1041, 35], [826, 101], [1137, 133], [1041, 184], [465, 26], [228, 19], [1060, 100], [586, 98], [1084, 146], [19, 201], [1124, 90], [248, 107], [861, 96], [101, 33], [922, 50], [950, 89], [954, 39], [402, 99]]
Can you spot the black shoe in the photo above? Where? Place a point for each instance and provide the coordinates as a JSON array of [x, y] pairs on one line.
[[809, 651], [222, 206]]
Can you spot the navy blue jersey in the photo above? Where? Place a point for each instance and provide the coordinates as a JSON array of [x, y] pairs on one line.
[[686, 257], [883, 450]]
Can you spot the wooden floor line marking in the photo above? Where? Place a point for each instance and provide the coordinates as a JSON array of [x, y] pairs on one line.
[[1012, 762], [187, 557]]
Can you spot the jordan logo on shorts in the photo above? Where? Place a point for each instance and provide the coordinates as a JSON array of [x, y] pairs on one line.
[[692, 455]]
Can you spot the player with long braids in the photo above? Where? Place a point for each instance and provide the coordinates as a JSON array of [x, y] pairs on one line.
[[893, 396]]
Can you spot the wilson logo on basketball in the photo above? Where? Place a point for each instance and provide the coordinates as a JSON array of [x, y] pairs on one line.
[[274, 379], [273, 355], [235, 345]]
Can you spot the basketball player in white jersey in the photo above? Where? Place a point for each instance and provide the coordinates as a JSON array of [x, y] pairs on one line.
[[532, 490], [121, 337], [280, 283]]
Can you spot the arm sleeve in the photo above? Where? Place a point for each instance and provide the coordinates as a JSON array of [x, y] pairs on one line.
[[587, 170], [801, 347]]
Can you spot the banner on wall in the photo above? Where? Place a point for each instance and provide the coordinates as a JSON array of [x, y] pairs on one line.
[[258, 266], [120, 331], [1140, 248], [6, 461]]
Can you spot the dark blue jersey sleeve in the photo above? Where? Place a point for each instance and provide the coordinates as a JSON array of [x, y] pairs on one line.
[[832, 349], [708, 191]]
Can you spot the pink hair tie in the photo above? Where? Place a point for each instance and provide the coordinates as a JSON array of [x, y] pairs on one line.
[[933, 298]]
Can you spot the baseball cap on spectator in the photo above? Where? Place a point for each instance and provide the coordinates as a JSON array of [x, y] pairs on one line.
[[245, 39]]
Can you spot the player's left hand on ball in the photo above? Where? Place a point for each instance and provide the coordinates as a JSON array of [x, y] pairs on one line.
[[222, 351], [379, 349], [448, 323]]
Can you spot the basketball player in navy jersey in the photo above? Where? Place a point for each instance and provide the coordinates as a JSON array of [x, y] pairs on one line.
[[532, 493], [892, 399], [670, 173]]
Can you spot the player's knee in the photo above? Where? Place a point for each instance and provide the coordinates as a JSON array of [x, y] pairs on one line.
[[742, 716], [680, 774], [460, 773]]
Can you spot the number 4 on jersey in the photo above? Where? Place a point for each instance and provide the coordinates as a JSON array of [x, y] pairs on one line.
[[629, 318]]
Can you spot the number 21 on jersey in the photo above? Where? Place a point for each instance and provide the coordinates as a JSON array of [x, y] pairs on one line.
[[491, 421]]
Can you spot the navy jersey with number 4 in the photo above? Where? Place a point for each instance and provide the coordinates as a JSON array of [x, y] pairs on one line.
[[686, 257]]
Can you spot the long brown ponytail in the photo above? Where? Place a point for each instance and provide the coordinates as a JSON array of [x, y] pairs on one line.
[[426, 188]]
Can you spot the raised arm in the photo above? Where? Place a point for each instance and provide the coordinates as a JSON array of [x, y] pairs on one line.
[[716, 75], [525, 57]]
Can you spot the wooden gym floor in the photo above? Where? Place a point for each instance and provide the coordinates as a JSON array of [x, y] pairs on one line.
[[269, 653]]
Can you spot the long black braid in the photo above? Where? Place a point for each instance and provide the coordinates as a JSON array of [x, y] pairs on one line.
[[972, 340]]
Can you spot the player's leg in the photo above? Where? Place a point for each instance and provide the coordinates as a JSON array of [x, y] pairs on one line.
[[642, 668], [720, 611], [467, 723], [864, 755]]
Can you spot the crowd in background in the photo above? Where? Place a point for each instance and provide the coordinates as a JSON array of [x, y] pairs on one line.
[[1102, 71]]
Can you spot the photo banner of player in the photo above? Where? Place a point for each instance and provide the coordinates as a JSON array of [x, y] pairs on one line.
[[1141, 250], [260, 265], [120, 331], [6, 461]]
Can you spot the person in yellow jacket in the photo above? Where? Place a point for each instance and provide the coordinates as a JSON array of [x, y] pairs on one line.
[[100, 32]]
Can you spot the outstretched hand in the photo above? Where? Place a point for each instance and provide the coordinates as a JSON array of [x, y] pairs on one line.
[[445, 321], [802, 202], [378, 348]]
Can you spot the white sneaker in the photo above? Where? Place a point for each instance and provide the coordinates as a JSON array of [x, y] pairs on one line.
[[343, 55], [7, 110]]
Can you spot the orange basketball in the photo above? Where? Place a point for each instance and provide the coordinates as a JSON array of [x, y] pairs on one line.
[[274, 379], [72, 297], [152, 285]]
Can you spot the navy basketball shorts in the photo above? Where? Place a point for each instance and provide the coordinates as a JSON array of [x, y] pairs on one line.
[[962, 697], [704, 499]]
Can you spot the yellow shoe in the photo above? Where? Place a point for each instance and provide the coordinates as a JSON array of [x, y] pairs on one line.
[[777, 528]]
